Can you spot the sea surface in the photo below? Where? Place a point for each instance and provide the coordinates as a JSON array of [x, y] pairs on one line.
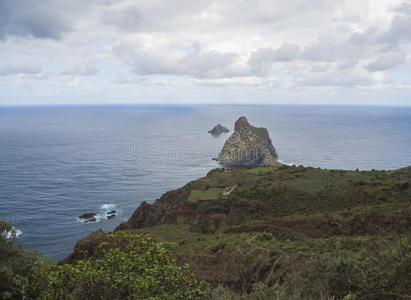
[[57, 163]]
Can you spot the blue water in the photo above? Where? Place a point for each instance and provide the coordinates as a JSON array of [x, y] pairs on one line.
[[59, 162]]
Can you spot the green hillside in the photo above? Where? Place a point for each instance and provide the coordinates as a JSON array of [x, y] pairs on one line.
[[292, 232]]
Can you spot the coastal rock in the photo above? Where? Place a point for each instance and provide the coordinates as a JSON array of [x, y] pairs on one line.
[[248, 146], [218, 129], [111, 214], [147, 215], [88, 217]]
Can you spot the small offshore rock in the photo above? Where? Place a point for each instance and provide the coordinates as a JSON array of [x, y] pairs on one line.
[[91, 220], [111, 214], [218, 129], [87, 216]]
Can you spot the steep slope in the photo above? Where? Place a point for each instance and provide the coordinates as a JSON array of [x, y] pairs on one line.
[[248, 146], [271, 195], [282, 225]]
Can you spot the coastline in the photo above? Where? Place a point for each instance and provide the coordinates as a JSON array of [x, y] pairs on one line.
[[273, 208]]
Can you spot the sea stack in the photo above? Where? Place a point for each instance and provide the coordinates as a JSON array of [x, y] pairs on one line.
[[218, 129], [248, 146]]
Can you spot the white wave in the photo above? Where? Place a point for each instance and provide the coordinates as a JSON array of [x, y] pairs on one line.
[[285, 163], [13, 233], [104, 212], [18, 232], [108, 206]]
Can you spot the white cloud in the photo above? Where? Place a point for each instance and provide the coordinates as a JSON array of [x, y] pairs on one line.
[[344, 79], [386, 61], [261, 60], [275, 46], [20, 68], [147, 58], [85, 69]]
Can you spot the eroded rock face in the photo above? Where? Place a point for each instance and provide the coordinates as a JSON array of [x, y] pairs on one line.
[[147, 215], [218, 129], [248, 146]]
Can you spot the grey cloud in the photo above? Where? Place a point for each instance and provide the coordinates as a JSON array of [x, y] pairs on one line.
[[32, 18], [364, 38], [162, 15], [336, 79], [209, 64], [269, 13], [327, 51], [347, 64], [196, 63], [144, 63], [321, 51], [130, 19], [287, 52], [20, 68], [399, 30], [129, 79], [260, 60], [168, 15], [403, 8], [86, 69], [320, 68], [387, 61]]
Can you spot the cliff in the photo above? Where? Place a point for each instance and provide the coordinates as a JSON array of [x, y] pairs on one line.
[[277, 221], [248, 146]]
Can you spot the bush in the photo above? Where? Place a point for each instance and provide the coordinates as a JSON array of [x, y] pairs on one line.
[[127, 266], [382, 271], [16, 266]]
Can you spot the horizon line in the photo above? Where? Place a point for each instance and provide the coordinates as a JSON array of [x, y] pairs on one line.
[[197, 104]]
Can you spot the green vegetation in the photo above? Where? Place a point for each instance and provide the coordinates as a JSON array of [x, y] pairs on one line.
[[17, 267], [123, 266], [207, 194], [283, 233], [259, 266], [292, 232]]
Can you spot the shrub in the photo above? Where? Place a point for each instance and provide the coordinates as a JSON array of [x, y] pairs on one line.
[[127, 266], [16, 266], [382, 271]]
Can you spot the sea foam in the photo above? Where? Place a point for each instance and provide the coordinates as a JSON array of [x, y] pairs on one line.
[[104, 212], [13, 233]]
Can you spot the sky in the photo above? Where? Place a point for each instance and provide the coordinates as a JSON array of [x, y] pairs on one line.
[[354, 52]]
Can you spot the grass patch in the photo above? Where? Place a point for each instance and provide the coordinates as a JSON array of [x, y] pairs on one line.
[[208, 194]]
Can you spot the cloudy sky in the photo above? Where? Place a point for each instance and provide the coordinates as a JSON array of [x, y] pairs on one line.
[[222, 51]]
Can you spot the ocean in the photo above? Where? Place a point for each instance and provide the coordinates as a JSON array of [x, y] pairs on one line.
[[58, 162]]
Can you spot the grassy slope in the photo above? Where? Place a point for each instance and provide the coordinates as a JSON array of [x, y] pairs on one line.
[[284, 216], [309, 233]]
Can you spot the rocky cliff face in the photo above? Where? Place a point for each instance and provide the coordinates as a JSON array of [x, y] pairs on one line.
[[161, 211], [248, 146]]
